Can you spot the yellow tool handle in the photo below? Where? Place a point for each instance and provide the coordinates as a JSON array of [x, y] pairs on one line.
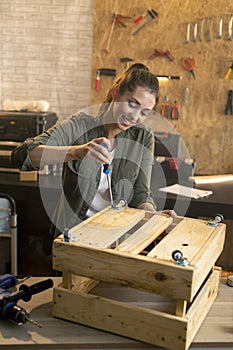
[[228, 73]]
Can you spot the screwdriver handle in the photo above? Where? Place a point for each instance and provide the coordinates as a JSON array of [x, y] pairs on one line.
[[106, 169]]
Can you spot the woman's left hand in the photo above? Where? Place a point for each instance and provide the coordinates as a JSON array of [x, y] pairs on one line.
[[169, 212]]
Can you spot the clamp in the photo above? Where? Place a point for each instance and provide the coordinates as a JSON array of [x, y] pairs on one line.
[[103, 71], [117, 18], [152, 13], [158, 53]]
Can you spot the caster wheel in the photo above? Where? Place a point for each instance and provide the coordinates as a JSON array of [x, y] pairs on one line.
[[177, 255], [219, 217]]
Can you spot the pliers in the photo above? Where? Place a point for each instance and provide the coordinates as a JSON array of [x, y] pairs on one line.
[[229, 106]]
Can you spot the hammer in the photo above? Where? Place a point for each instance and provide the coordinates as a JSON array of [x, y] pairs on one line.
[[153, 14]]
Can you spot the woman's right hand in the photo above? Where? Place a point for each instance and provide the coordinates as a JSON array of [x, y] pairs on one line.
[[94, 150]]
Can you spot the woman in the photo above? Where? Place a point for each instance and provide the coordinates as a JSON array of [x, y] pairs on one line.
[[78, 142]]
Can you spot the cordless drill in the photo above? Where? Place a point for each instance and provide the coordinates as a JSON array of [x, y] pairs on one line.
[[8, 304]]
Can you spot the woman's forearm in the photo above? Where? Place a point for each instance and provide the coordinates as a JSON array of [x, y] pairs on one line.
[[44, 155]]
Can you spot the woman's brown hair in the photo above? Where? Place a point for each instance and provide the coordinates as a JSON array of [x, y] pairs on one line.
[[136, 75]]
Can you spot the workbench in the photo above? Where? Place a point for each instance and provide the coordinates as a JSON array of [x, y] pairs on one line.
[[216, 331]]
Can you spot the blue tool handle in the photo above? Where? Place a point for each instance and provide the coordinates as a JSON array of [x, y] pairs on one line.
[[7, 281], [106, 169]]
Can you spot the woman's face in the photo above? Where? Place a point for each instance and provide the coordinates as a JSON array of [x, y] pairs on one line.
[[132, 108]]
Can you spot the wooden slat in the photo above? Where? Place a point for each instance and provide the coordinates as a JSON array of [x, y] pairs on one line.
[[132, 321], [141, 272], [188, 237], [207, 256], [202, 304], [77, 283], [145, 235], [181, 306], [103, 229]]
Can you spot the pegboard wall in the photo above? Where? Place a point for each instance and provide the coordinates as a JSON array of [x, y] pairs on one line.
[[205, 128]]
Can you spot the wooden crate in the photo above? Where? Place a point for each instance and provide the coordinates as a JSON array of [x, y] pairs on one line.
[[111, 247]]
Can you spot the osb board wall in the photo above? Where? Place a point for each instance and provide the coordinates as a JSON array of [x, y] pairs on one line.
[[205, 129]]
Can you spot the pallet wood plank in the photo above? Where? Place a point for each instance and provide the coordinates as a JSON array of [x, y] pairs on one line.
[[153, 275], [132, 321], [181, 306], [104, 228], [145, 235], [202, 304], [188, 236], [207, 256]]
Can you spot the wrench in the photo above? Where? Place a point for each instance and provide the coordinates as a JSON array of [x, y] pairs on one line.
[[211, 29], [202, 29], [187, 34], [229, 37], [219, 36], [195, 32]]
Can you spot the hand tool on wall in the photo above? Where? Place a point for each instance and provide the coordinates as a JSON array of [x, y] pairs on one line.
[[107, 171], [153, 14], [187, 34], [229, 36], [158, 53], [175, 114], [195, 32], [219, 36], [190, 65], [229, 106], [110, 72], [116, 19], [138, 19], [211, 29], [202, 29], [126, 60], [165, 108], [228, 72], [186, 96]]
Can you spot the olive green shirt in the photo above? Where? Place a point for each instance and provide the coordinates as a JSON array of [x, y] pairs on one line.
[[131, 166]]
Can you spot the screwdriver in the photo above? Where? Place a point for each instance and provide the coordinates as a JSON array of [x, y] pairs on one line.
[[107, 171]]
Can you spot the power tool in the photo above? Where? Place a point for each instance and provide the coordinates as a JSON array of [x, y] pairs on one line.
[[8, 304]]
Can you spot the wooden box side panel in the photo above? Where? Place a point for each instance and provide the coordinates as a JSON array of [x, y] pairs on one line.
[[207, 257], [202, 304], [139, 272], [135, 322]]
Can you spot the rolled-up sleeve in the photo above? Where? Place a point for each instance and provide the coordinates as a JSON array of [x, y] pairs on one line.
[[20, 155], [63, 133]]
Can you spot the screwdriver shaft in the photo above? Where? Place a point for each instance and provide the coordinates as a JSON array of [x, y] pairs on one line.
[[110, 189]]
